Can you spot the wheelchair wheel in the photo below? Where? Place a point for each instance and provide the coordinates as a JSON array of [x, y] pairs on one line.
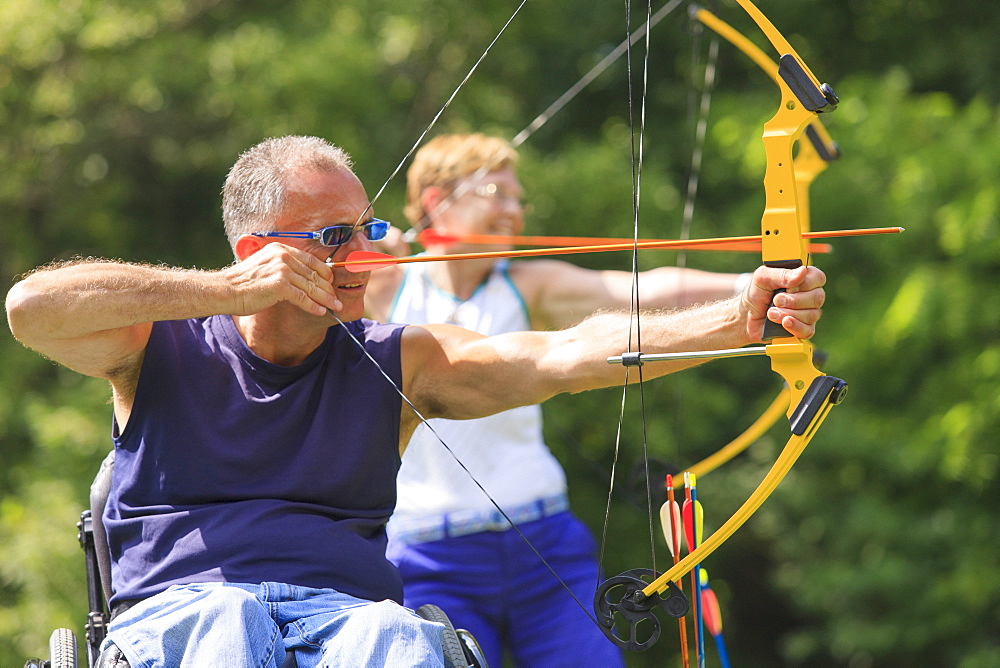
[[454, 653], [62, 649]]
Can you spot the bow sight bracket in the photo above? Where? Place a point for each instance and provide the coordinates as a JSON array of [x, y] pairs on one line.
[[622, 596], [822, 390], [820, 100]]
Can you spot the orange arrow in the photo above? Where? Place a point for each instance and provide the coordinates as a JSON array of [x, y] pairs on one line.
[[362, 261], [432, 237]]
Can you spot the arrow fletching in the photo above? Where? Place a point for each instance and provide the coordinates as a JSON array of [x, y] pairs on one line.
[[359, 262], [710, 610], [670, 521], [694, 524]]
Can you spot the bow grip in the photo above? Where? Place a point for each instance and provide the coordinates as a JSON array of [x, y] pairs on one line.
[[774, 330]]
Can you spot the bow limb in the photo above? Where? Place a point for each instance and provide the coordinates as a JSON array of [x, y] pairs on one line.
[[789, 455], [767, 419]]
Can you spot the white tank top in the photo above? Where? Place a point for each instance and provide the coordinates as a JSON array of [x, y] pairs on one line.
[[504, 452]]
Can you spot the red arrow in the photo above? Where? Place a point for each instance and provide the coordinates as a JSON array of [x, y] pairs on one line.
[[362, 261], [432, 237]]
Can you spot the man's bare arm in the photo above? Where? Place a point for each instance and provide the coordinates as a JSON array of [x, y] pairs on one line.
[[94, 316], [561, 294], [453, 373]]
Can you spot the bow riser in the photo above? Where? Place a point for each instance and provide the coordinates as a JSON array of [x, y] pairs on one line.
[[781, 207], [783, 223], [802, 98]]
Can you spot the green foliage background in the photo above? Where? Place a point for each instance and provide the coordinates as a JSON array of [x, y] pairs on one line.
[[120, 119]]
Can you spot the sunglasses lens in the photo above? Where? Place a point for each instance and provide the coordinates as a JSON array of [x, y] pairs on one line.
[[336, 235], [341, 234], [377, 230]]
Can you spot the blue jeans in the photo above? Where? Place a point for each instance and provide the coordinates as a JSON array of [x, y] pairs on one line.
[[228, 624], [492, 584]]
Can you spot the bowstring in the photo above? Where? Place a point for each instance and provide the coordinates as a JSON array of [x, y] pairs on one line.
[[594, 72], [700, 131], [700, 102], [554, 108], [634, 303], [437, 116]]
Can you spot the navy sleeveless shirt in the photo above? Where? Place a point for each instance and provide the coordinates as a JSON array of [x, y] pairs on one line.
[[234, 469]]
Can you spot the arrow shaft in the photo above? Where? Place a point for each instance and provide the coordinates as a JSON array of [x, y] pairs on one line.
[[541, 240], [369, 263]]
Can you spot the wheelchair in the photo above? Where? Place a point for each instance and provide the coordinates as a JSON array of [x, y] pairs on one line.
[[460, 648]]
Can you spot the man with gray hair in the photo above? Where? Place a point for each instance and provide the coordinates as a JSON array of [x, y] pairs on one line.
[[257, 437]]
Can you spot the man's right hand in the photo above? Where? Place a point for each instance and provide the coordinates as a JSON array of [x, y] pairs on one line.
[[275, 273]]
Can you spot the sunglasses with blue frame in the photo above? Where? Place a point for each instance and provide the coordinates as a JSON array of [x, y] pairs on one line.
[[335, 235]]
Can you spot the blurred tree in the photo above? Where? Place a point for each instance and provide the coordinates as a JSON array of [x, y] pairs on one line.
[[120, 120]]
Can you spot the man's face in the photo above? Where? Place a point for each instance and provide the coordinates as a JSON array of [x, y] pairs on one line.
[[321, 199], [489, 204]]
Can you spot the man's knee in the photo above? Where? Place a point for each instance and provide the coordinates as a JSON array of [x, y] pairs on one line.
[[388, 614], [388, 622], [197, 622], [391, 635], [228, 599], [236, 611]]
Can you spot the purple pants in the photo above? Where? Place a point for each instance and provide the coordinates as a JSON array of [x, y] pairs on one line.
[[493, 585]]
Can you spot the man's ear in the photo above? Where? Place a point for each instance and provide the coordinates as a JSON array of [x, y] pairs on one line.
[[247, 245]]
